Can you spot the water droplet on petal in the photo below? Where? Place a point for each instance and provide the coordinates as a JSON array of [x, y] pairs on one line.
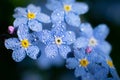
[[53, 56]]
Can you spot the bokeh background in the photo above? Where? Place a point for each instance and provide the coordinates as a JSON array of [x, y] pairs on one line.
[[100, 11]]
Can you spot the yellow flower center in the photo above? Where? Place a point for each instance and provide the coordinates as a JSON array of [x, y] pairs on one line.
[[110, 63], [25, 43], [58, 41], [31, 15], [92, 42], [67, 8], [84, 62]]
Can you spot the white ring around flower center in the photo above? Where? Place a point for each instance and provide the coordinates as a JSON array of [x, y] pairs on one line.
[[58, 40], [92, 42]]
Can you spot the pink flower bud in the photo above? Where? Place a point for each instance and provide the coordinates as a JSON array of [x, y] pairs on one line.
[[11, 29], [88, 50]]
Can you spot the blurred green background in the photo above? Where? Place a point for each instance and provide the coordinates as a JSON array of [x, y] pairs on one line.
[[100, 11]]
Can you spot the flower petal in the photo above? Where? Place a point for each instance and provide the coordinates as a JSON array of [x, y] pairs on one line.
[[69, 37], [53, 5], [57, 61], [22, 32], [79, 8], [58, 29], [80, 43], [35, 26], [72, 19], [105, 47], [63, 50], [11, 43], [57, 16], [99, 75], [19, 21], [33, 8], [86, 30], [33, 52], [101, 31], [19, 12], [79, 53], [18, 55], [46, 37], [51, 51], [71, 63], [96, 57], [68, 1], [88, 76], [44, 62], [43, 18], [92, 67], [80, 71]]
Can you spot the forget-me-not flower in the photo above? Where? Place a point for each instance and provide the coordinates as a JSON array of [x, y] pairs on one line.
[[57, 41], [67, 10], [87, 66], [22, 46], [80, 63], [30, 16], [93, 39], [112, 74]]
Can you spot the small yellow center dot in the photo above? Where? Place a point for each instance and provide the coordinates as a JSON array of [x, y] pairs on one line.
[[110, 63], [84, 62], [92, 42], [31, 15], [58, 41], [25, 43], [67, 8]]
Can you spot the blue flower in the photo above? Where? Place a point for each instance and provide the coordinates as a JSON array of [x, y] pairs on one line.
[[22, 45], [92, 55], [80, 63], [93, 39], [57, 41], [67, 10], [87, 65], [45, 63], [31, 16], [112, 74]]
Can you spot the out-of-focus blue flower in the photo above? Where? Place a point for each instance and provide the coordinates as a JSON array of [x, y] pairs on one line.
[[93, 39], [31, 75], [22, 45], [57, 41], [45, 63], [31, 16], [112, 74], [67, 10]]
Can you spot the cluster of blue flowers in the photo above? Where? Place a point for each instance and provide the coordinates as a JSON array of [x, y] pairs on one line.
[[62, 36]]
